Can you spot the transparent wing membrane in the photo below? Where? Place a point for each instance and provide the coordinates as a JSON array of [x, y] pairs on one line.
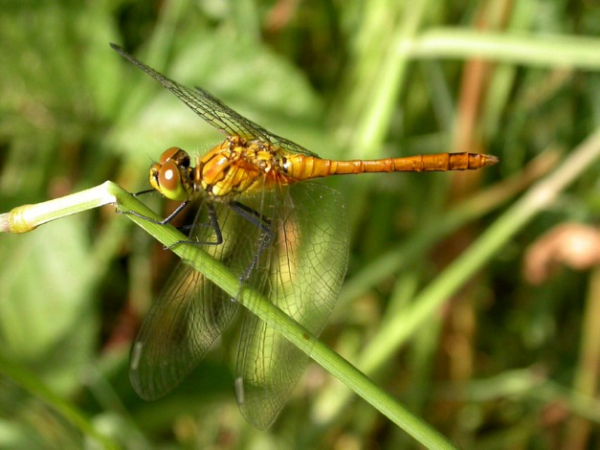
[[190, 313], [215, 112], [301, 274]]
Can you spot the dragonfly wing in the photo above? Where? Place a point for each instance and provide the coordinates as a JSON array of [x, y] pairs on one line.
[[229, 122], [304, 270], [181, 326], [214, 111], [190, 313]]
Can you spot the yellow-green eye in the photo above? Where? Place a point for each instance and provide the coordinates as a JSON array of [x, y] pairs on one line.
[[170, 183], [154, 171]]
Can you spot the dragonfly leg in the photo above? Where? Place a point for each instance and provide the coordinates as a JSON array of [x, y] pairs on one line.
[[214, 224], [165, 221], [267, 234], [147, 191]]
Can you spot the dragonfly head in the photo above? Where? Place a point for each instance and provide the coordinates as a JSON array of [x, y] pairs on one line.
[[172, 175]]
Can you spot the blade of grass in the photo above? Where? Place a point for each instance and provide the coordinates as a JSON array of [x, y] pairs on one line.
[[295, 333], [533, 50], [220, 275]]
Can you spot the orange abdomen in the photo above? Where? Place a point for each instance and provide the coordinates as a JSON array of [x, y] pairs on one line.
[[307, 167]]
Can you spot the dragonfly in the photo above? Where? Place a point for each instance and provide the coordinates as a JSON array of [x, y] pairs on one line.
[[282, 234]]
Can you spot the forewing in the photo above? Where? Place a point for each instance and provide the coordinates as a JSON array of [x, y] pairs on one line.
[[214, 111], [191, 312], [301, 274]]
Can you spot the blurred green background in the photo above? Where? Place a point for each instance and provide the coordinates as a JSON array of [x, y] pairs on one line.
[[472, 298]]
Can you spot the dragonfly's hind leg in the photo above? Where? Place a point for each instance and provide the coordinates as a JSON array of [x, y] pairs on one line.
[[267, 235]]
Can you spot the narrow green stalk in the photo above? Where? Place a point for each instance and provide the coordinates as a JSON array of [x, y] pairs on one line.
[[29, 217], [387, 83], [525, 48], [290, 329]]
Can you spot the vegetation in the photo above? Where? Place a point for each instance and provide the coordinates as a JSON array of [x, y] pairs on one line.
[[472, 298]]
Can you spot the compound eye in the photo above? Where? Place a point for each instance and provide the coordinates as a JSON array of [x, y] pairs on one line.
[[170, 182], [168, 154]]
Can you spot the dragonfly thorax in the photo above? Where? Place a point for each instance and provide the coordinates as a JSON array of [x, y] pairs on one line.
[[237, 166]]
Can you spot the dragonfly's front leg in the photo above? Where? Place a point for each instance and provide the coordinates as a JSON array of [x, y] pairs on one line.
[[166, 220], [213, 222]]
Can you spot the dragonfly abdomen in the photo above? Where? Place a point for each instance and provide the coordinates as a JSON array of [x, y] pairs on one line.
[[306, 167]]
